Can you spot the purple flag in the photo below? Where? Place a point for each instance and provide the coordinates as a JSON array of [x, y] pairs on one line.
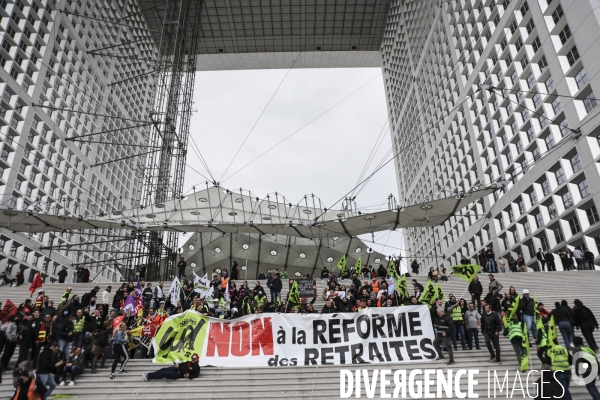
[[129, 304]]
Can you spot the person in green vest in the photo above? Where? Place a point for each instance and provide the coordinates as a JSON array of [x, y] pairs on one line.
[[588, 356], [515, 335], [455, 311], [78, 327], [560, 361], [67, 294], [260, 299]]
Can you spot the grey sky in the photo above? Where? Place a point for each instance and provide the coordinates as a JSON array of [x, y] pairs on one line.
[[325, 158]]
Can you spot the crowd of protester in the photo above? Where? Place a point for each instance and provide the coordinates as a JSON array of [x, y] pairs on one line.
[[61, 340]]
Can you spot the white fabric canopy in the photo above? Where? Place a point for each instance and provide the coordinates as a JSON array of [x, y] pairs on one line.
[[218, 210]]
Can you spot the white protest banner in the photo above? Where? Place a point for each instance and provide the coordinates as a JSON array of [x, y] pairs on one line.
[[339, 293], [202, 286], [376, 335]]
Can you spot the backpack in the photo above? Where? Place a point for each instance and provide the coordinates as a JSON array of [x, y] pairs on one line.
[[85, 299]]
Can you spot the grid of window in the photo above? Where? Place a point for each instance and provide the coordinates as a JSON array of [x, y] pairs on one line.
[[558, 234], [557, 105], [576, 163], [581, 78], [584, 188], [574, 225], [590, 102], [560, 176], [572, 55], [567, 199], [539, 220], [592, 215], [565, 34]]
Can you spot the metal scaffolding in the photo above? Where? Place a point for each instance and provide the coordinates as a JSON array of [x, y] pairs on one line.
[[163, 171]]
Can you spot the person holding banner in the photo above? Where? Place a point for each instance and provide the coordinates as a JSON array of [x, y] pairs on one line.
[[188, 370]]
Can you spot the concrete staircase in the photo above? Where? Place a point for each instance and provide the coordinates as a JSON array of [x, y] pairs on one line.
[[321, 382]]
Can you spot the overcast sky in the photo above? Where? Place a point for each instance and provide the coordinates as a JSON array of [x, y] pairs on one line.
[[325, 158]]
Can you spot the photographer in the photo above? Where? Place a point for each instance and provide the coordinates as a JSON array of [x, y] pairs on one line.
[[188, 370]]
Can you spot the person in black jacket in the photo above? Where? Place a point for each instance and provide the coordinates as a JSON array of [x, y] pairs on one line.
[[25, 341], [188, 370], [564, 322], [527, 309], [444, 327], [549, 257], [586, 321], [328, 308], [276, 287], [28, 382], [476, 291], [589, 258], [491, 327], [47, 365]]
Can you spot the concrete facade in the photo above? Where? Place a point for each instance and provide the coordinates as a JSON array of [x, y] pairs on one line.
[[541, 58]]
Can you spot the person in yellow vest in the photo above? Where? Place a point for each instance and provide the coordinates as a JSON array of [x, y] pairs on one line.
[[67, 294], [78, 328], [455, 311], [39, 300], [560, 361], [515, 335], [585, 359]]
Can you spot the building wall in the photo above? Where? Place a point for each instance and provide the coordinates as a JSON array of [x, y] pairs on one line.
[[448, 138], [46, 62]]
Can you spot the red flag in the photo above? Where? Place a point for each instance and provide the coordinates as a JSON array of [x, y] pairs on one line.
[[37, 283], [117, 321], [9, 310]]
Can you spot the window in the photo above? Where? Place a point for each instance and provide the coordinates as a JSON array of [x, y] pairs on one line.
[[557, 105], [516, 236], [544, 241], [514, 77], [567, 199], [572, 55], [509, 158], [519, 147], [520, 96], [521, 205], [533, 197], [549, 84], [530, 26], [519, 44], [564, 127], [524, 61], [524, 9], [527, 228], [539, 220], [574, 225], [560, 176], [511, 215], [543, 63], [544, 122], [508, 60], [537, 100], [536, 154], [530, 81], [565, 34], [536, 44], [525, 114], [530, 134], [581, 78], [546, 187], [557, 14], [584, 188], [501, 222], [576, 163], [592, 215], [514, 127], [590, 102], [506, 242], [558, 234]]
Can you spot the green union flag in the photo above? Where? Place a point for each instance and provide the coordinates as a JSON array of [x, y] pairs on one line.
[[401, 286], [552, 338], [392, 271], [428, 295], [342, 266], [439, 292], [466, 271], [294, 297]]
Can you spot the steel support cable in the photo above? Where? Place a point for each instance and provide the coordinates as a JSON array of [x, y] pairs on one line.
[[373, 150], [446, 78], [301, 128], [268, 103]]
